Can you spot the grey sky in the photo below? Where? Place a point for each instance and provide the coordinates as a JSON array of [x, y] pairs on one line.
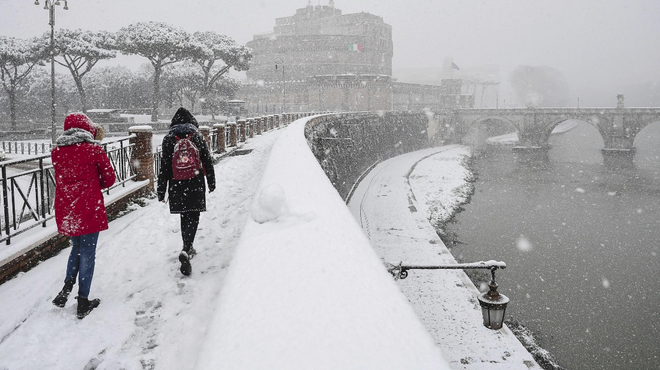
[[596, 43]]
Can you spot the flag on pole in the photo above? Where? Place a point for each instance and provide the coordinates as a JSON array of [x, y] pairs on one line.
[[454, 66], [354, 47]]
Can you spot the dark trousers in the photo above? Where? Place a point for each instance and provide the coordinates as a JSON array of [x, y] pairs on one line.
[[189, 223]]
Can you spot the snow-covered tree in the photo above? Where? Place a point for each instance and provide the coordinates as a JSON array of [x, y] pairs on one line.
[[217, 55], [79, 51], [17, 59], [223, 90], [119, 87], [161, 44], [183, 81]]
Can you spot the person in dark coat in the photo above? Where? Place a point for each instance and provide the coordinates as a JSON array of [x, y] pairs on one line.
[[82, 169], [186, 197]]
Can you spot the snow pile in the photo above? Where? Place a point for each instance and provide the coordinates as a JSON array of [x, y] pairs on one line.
[[270, 204]]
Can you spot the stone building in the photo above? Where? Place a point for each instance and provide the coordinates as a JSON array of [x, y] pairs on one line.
[[322, 60]]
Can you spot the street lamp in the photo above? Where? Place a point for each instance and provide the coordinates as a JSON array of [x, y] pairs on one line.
[[283, 85], [50, 6], [493, 304]]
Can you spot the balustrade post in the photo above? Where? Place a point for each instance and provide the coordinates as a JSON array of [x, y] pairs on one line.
[[277, 120], [206, 133], [259, 120], [221, 137], [241, 130], [233, 137], [266, 121], [142, 157], [250, 123]]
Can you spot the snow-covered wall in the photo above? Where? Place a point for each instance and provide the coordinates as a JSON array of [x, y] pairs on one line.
[[347, 144], [305, 290]]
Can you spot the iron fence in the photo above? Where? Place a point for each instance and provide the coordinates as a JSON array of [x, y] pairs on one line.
[[23, 147], [28, 187], [120, 151], [213, 140], [158, 159]]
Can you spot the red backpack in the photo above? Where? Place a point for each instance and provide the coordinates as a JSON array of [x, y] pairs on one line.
[[185, 159]]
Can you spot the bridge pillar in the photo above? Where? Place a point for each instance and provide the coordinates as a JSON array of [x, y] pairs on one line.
[[618, 158]]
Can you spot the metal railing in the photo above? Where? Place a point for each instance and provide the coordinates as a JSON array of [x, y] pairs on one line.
[[23, 147], [120, 151], [28, 187], [213, 140], [400, 271], [158, 160], [248, 129]]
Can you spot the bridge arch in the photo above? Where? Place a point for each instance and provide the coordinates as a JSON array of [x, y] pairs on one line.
[[601, 122], [641, 125], [647, 150], [479, 130]]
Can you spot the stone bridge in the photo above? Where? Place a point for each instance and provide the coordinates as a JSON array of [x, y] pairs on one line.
[[618, 126]]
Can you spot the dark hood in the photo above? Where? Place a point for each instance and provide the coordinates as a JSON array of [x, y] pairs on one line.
[[183, 116], [182, 129]]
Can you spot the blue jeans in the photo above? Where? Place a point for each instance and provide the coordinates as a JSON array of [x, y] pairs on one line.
[[81, 262]]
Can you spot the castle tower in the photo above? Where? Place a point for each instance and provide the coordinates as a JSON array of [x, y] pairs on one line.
[[320, 40]]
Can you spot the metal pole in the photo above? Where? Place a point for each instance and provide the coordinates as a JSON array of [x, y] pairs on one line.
[[5, 203], [53, 134]]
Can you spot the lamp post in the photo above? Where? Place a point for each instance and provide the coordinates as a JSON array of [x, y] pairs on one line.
[[50, 6], [493, 304], [283, 84]]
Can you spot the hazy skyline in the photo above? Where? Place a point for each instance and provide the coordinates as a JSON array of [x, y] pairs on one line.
[[600, 45]]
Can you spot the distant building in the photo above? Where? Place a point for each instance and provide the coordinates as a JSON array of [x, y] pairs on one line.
[[320, 59]]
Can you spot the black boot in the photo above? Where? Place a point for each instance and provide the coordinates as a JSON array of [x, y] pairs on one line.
[[85, 306], [186, 267], [63, 295]]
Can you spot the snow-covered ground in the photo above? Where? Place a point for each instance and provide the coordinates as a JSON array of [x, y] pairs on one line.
[[284, 278], [150, 316]]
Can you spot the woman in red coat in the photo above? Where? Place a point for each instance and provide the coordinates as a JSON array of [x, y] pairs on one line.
[[82, 169]]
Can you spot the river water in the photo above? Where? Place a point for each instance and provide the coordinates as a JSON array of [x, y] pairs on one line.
[[582, 246]]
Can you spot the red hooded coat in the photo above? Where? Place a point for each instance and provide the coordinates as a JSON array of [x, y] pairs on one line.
[[81, 171]]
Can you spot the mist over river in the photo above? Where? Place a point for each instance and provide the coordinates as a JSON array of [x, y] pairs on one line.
[[581, 243]]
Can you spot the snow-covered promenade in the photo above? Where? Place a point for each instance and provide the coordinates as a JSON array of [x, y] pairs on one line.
[[394, 204], [285, 278]]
